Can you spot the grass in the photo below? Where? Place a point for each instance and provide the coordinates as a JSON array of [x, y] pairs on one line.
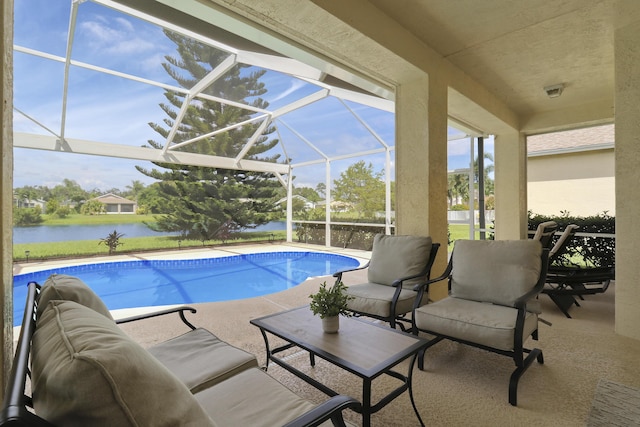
[[78, 219], [461, 232], [84, 248], [87, 248]]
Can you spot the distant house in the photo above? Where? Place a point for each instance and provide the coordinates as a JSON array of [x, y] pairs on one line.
[[28, 203], [307, 203], [572, 171], [336, 205], [117, 204]]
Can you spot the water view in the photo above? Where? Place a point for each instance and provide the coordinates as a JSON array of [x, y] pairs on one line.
[[61, 233]]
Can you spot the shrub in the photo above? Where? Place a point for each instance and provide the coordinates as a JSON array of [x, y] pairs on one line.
[[27, 216], [112, 241], [93, 207], [593, 251], [63, 211], [459, 208]]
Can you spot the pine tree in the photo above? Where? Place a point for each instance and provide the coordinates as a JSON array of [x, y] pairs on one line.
[[207, 203]]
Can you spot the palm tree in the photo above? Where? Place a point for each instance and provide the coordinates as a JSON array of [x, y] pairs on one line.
[[458, 188], [135, 189]]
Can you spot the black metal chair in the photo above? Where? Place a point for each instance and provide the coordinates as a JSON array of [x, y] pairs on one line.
[[397, 264], [492, 302]]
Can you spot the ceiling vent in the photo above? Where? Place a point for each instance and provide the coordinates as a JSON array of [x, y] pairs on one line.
[[554, 91]]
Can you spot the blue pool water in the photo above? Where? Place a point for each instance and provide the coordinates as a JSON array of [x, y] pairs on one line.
[[149, 283]]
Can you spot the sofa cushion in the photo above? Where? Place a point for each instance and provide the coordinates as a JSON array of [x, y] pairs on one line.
[[87, 372], [395, 257], [201, 360], [497, 271], [69, 288], [253, 398], [482, 323], [375, 299]]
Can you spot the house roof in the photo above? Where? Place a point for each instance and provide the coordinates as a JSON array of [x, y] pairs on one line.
[[295, 196], [114, 198], [591, 138]]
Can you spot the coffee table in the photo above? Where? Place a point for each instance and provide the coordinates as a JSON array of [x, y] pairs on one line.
[[363, 348]]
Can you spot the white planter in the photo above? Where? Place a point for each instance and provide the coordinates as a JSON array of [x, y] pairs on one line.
[[331, 324]]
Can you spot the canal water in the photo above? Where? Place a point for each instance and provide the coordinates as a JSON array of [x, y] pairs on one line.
[[61, 233]]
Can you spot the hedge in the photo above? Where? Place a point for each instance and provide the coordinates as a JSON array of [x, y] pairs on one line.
[[584, 251]]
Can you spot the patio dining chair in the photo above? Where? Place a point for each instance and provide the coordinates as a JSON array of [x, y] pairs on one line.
[[492, 302], [397, 264]]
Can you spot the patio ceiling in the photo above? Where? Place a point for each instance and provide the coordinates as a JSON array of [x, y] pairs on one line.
[[55, 129]]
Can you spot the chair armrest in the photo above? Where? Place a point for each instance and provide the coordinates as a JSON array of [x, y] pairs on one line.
[[338, 274], [521, 302], [425, 285], [427, 268], [398, 282], [329, 410], [180, 309]]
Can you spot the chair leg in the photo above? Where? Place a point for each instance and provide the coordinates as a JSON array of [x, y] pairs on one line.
[[536, 353], [421, 352], [421, 359], [392, 322], [563, 302]]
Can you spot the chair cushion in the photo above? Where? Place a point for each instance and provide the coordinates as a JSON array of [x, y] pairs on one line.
[[481, 323], [375, 299], [87, 372], [240, 401], [497, 271], [69, 288], [206, 362], [395, 257]]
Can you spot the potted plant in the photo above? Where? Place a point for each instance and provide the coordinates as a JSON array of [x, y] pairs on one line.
[[329, 303]]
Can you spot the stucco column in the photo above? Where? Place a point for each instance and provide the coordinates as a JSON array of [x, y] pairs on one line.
[[421, 164], [6, 192], [510, 185], [627, 155]]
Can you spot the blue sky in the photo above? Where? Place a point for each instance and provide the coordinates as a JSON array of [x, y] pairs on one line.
[[106, 108]]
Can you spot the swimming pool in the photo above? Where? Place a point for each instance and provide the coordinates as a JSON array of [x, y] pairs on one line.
[[147, 283]]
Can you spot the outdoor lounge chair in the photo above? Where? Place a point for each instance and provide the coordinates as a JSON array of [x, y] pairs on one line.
[[565, 283], [397, 264], [545, 232], [493, 286]]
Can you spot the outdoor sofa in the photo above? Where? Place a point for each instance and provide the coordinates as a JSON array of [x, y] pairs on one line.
[[74, 366]]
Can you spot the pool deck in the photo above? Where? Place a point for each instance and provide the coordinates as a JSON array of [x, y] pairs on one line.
[[189, 253]]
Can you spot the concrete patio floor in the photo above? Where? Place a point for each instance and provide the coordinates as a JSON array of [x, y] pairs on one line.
[[460, 385]]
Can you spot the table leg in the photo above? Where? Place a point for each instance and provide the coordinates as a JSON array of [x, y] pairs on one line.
[[266, 345], [366, 403], [410, 383]]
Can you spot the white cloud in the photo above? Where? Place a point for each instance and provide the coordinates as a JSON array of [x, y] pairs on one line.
[[35, 167], [118, 40], [294, 85]]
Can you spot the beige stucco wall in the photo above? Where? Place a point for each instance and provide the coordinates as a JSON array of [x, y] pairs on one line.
[[582, 183], [421, 162], [627, 105]]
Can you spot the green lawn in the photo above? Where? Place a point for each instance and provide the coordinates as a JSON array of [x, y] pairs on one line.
[[461, 232], [78, 219], [81, 248]]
